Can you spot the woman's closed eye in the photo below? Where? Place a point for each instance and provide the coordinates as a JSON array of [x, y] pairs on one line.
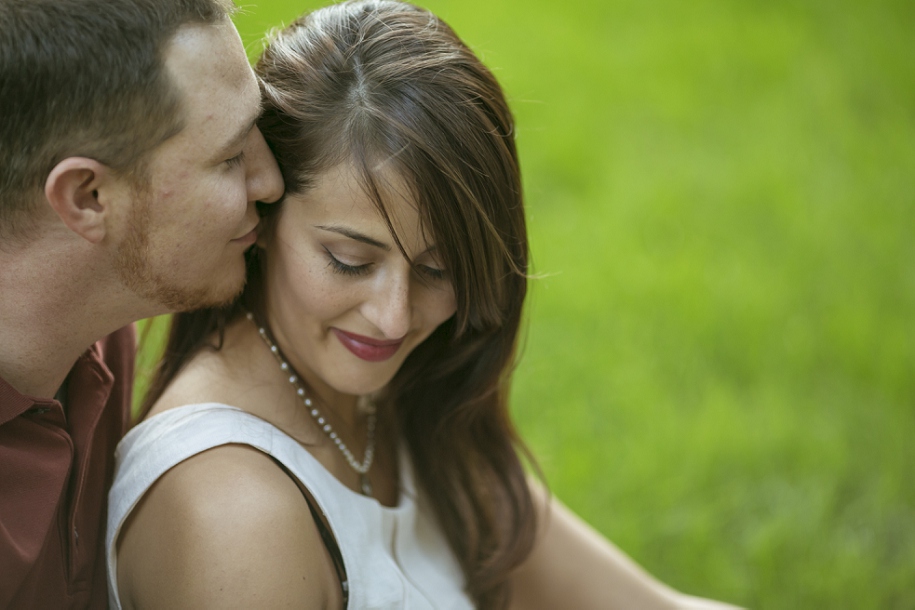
[[433, 273], [428, 271], [347, 269]]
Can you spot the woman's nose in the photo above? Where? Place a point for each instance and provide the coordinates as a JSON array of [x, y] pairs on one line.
[[389, 307]]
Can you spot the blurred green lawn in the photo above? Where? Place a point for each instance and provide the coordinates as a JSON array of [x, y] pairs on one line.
[[719, 370]]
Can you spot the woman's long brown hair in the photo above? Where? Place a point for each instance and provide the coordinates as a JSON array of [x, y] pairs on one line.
[[384, 83]]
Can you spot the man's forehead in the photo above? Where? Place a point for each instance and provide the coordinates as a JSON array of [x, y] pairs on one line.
[[217, 87], [209, 60]]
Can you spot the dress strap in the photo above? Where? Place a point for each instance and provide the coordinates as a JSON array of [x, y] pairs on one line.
[[327, 537]]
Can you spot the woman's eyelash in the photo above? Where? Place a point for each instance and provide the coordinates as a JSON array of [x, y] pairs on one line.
[[357, 270], [341, 267], [432, 272]]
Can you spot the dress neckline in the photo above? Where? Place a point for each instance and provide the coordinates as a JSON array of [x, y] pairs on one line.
[[406, 489]]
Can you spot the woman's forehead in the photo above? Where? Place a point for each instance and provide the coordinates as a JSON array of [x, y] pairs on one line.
[[344, 198]]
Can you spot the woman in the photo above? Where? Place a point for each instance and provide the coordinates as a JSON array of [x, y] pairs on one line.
[[339, 437]]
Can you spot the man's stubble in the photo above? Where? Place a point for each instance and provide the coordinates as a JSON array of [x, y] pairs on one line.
[[137, 269]]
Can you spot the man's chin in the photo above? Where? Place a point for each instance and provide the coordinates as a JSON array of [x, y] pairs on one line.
[[170, 294], [206, 298], [171, 298], [224, 299]]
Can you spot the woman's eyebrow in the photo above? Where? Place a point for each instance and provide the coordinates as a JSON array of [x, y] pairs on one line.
[[347, 232]]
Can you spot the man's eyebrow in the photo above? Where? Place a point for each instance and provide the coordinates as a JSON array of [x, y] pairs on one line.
[[347, 232]]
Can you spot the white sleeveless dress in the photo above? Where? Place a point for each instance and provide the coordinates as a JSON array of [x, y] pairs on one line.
[[394, 557]]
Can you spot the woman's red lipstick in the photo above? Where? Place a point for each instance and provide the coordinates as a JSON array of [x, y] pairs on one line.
[[367, 348]]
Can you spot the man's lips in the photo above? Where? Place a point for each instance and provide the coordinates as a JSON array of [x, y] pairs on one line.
[[248, 238], [366, 348]]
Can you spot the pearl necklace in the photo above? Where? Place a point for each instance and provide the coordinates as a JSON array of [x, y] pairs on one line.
[[364, 404]]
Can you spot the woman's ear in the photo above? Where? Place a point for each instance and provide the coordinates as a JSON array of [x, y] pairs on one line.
[[72, 190]]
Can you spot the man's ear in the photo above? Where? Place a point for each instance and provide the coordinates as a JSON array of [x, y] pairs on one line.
[[72, 189]]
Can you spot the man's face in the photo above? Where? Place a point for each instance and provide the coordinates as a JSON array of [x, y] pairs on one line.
[[190, 224]]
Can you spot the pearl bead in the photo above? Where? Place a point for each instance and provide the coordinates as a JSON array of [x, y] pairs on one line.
[[366, 464]]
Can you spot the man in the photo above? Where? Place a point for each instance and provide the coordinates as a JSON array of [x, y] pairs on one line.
[[131, 165]]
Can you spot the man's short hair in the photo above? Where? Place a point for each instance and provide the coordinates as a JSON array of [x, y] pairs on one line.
[[85, 78]]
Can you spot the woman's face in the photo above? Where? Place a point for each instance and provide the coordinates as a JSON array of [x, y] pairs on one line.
[[342, 301]]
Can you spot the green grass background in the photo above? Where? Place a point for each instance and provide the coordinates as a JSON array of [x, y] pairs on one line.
[[719, 369]]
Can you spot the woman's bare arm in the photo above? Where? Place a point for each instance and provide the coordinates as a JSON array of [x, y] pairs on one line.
[[224, 529], [573, 566]]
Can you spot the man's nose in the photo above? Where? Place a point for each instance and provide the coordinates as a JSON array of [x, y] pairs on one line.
[[265, 183]]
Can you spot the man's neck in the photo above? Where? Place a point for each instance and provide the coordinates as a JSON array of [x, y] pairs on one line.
[[54, 305]]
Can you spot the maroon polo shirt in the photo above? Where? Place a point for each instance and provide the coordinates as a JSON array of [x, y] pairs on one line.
[[56, 465]]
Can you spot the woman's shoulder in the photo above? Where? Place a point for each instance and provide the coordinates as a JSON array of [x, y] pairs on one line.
[[224, 528], [246, 474], [231, 489]]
